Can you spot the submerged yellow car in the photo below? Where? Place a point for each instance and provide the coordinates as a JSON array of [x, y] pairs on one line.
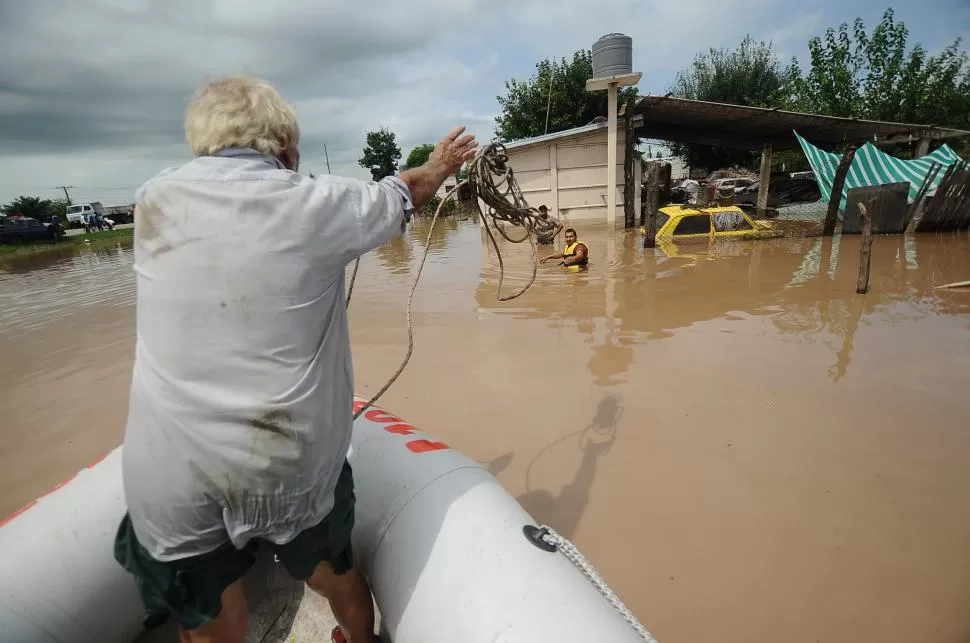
[[686, 223]]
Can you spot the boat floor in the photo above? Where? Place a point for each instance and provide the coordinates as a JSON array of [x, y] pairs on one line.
[[281, 610]]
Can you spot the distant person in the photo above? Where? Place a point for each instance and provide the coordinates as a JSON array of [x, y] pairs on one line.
[[546, 238], [241, 403], [574, 254], [55, 228]]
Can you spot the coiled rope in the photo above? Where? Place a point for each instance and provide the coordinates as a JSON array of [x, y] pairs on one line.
[[493, 185]]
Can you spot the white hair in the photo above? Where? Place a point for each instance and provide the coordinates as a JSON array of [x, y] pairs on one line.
[[240, 111]]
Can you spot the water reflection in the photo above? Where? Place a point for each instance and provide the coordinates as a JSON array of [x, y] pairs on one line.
[[41, 289], [806, 286], [395, 256], [564, 509]]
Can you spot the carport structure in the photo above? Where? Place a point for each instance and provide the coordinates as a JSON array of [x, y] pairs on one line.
[[768, 129]]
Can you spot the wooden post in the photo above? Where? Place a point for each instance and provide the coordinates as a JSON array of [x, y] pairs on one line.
[[865, 250], [629, 214], [835, 199], [910, 222], [765, 180], [923, 147], [651, 203]]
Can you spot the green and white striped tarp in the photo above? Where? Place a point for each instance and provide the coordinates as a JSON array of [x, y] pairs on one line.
[[872, 166]]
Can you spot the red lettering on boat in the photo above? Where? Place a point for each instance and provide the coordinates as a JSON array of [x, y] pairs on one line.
[[423, 446], [400, 429], [382, 417]]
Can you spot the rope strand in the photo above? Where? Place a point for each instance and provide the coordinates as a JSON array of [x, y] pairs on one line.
[[493, 183]]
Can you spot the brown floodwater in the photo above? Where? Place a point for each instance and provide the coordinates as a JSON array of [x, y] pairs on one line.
[[746, 449]]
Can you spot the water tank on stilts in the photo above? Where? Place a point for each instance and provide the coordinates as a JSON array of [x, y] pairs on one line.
[[612, 55]]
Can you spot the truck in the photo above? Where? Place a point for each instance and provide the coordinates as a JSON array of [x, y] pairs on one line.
[[76, 213], [118, 213]]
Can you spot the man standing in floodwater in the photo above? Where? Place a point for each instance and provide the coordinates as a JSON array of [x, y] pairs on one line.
[[241, 414], [547, 237], [575, 252]]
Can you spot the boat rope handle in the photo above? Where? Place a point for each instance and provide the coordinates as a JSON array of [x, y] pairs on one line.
[[493, 183], [551, 537]]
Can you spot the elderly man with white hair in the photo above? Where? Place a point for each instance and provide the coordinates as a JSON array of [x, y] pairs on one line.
[[240, 413]]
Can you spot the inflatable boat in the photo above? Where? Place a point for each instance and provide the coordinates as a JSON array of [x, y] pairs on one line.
[[450, 555]]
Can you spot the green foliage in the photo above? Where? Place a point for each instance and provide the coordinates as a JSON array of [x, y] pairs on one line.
[[419, 155], [381, 154], [877, 75], [91, 241], [524, 104], [749, 75], [35, 207], [450, 206]]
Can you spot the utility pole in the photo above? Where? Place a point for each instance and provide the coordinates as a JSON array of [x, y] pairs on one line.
[[65, 188], [328, 158], [552, 72]]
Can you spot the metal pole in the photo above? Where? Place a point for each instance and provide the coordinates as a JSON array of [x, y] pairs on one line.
[[611, 156], [66, 195], [328, 158]]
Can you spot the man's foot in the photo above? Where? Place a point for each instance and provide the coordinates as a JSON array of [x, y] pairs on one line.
[[337, 636]]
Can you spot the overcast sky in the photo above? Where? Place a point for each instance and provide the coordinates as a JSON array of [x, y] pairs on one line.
[[92, 92]]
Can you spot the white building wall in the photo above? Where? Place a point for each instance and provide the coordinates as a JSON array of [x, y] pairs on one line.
[[569, 176]]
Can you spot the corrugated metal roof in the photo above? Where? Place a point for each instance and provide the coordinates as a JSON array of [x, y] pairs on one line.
[[694, 121], [568, 133]]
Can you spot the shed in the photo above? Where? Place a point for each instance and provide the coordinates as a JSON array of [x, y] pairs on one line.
[[565, 172]]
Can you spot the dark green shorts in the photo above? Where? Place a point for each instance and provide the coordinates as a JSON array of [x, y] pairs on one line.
[[191, 588]]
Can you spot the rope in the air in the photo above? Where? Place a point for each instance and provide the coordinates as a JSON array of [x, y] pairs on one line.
[[493, 186]]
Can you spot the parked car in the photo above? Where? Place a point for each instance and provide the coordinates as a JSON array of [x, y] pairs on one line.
[[782, 190], [738, 183], [684, 223], [25, 229]]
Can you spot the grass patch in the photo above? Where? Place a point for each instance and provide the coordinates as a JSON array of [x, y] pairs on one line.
[[75, 243]]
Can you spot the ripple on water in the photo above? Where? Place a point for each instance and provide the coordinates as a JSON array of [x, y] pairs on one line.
[[40, 292]]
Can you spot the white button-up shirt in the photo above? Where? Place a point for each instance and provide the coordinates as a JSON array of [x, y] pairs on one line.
[[241, 398]]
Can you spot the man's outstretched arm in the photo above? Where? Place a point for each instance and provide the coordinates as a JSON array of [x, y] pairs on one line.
[[445, 160]]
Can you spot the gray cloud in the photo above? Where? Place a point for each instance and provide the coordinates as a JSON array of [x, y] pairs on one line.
[[91, 84], [92, 92], [89, 75]]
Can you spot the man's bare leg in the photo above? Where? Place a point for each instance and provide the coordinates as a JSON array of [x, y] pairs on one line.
[[350, 600], [230, 626]]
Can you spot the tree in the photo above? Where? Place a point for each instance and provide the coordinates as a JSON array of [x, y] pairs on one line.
[[419, 155], [877, 75], [750, 76], [381, 154], [524, 104], [35, 207]]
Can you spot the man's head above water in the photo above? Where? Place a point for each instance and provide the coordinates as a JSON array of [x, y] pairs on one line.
[[570, 236], [242, 111]]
